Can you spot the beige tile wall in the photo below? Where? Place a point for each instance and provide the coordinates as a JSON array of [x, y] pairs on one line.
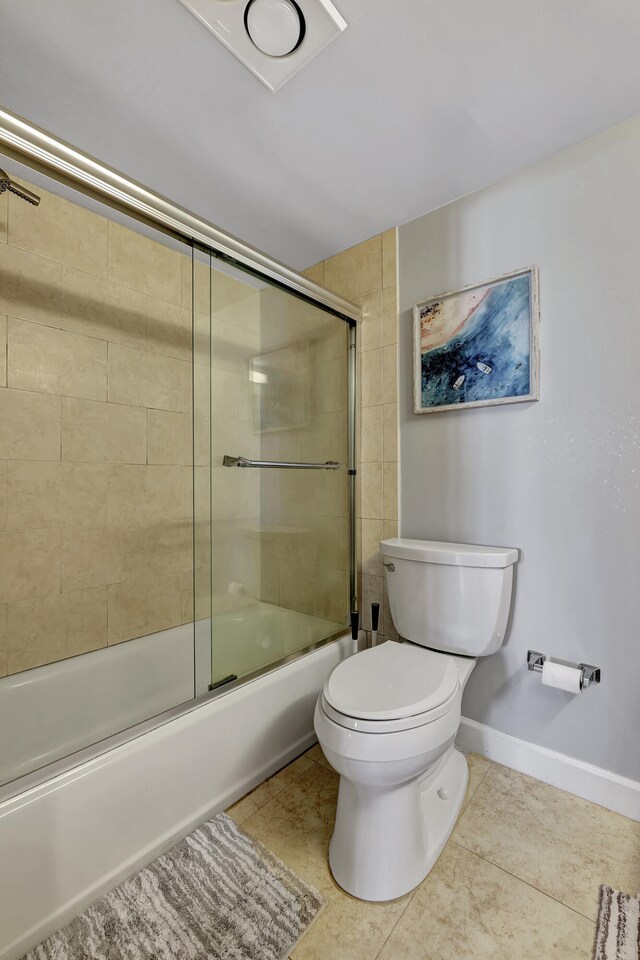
[[303, 418], [304, 515], [96, 460], [3, 217], [235, 510], [367, 274]]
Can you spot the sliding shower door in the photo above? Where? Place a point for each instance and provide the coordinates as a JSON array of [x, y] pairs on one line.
[[279, 509], [97, 380], [176, 503], [137, 570]]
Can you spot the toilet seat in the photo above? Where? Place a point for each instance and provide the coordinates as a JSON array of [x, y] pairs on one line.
[[391, 687], [387, 726]]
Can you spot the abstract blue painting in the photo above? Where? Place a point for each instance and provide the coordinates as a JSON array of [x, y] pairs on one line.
[[478, 345]]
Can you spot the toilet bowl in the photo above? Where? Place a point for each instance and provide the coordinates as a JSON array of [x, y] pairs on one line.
[[388, 716]]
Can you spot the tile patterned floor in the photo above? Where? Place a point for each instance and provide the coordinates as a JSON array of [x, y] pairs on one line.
[[518, 879]]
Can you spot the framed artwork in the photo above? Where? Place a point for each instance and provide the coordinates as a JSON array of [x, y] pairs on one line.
[[478, 346]]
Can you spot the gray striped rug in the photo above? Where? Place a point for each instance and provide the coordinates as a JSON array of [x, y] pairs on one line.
[[617, 927], [217, 895]]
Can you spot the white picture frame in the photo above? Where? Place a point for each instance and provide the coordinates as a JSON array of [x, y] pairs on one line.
[[479, 344]]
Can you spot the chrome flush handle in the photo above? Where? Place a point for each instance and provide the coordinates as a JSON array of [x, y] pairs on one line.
[[390, 566]]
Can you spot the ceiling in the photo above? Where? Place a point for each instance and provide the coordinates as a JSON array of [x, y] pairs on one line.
[[415, 104]]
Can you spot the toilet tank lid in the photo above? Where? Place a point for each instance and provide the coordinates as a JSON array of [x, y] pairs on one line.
[[454, 554]]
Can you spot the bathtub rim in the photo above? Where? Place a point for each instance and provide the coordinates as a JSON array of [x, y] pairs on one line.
[[36, 778]]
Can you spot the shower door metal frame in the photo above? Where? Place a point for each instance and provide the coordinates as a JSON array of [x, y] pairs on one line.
[[49, 155], [41, 151], [352, 406]]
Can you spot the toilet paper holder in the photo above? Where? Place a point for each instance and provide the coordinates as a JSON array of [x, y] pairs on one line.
[[588, 673]]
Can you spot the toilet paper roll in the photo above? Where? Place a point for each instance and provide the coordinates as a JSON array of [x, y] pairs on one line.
[[561, 676]]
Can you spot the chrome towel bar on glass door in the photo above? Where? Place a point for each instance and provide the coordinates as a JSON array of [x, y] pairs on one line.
[[282, 464]]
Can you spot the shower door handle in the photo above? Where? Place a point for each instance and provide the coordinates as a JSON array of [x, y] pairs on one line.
[[228, 461]]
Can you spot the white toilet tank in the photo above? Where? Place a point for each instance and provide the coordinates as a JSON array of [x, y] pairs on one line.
[[449, 596]]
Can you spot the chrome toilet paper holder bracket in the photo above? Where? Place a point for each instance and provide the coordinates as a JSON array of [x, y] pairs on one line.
[[588, 673]]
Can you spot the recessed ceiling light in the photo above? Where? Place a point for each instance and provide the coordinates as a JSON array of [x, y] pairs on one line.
[[273, 38], [275, 26]]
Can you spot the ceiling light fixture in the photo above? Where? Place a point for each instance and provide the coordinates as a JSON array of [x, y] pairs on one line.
[[276, 27]]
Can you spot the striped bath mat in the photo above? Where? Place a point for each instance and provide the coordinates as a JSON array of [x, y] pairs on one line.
[[217, 895], [617, 927]]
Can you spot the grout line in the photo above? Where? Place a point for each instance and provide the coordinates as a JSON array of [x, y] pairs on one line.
[[419, 885], [112, 403], [59, 263], [526, 882], [475, 792], [409, 901], [271, 777]]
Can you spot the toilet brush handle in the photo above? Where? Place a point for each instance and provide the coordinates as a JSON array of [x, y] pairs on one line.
[[375, 617], [355, 629]]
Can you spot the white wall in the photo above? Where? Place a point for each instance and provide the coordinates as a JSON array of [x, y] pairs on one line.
[[559, 478]]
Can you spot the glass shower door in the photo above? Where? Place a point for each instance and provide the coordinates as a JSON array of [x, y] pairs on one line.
[[279, 557], [96, 475]]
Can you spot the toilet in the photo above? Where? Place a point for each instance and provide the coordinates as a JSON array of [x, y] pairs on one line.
[[388, 716]]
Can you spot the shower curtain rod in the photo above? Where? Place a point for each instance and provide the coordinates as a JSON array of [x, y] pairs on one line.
[[20, 139]]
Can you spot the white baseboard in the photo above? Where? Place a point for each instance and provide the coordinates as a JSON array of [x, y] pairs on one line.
[[582, 779]]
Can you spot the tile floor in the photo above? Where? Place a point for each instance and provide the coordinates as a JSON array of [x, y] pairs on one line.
[[518, 879]]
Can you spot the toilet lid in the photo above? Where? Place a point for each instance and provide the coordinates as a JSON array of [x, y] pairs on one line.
[[391, 681]]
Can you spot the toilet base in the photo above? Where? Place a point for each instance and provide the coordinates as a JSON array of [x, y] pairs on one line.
[[386, 840]]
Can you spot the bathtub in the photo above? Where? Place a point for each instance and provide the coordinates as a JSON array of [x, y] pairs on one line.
[[65, 842], [254, 634], [52, 711]]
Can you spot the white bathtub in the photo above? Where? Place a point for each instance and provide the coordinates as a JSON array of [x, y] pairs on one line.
[[67, 841], [52, 711], [254, 634]]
